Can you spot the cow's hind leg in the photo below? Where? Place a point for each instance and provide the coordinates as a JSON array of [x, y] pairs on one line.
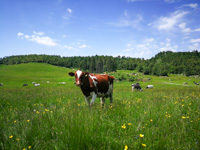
[[111, 99]]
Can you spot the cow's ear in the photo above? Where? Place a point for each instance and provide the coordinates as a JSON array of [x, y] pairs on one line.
[[86, 74], [71, 73]]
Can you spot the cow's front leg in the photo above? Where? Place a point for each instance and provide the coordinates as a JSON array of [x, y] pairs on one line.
[[102, 101], [87, 99], [94, 95]]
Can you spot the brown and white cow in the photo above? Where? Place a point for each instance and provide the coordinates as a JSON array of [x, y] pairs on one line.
[[94, 85]]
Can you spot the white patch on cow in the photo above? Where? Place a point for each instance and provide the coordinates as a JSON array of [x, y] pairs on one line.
[[93, 79], [79, 72], [94, 95]]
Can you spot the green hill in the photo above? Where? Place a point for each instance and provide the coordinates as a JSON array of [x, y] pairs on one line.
[[17, 75]]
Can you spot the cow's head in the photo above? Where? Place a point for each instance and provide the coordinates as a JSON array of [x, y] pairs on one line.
[[79, 76]]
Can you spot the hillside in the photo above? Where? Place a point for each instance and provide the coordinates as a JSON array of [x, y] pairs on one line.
[[17, 75], [164, 63]]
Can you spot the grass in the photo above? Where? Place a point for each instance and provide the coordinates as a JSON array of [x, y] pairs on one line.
[[55, 116]]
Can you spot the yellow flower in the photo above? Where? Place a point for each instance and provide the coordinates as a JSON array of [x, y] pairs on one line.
[[11, 136], [129, 124], [151, 120], [126, 147], [15, 121], [141, 135], [183, 117], [24, 148], [29, 147], [17, 139], [46, 110], [124, 126], [37, 112], [144, 145], [28, 120]]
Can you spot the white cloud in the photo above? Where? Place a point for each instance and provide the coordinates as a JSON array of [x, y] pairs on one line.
[[38, 38], [83, 46], [135, 0], [172, 1], [68, 47], [69, 10], [195, 46], [20, 34], [68, 14], [127, 21], [43, 40], [195, 40], [191, 5], [184, 29], [169, 23]]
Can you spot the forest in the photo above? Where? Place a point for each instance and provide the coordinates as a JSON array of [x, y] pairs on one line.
[[164, 63]]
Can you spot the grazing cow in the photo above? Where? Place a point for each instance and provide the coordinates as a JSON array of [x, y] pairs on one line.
[[94, 85], [149, 87], [196, 83], [61, 82], [136, 86], [25, 84], [38, 84], [1, 84]]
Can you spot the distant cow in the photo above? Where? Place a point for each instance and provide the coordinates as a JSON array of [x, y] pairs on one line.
[[136, 86], [149, 87], [94, 85], [196, 83], [61, 82], [1, 84], [37, 84], [25, 84]]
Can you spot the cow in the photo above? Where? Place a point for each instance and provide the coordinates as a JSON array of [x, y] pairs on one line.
[[149, 87], [25, 84], [1, 84], [196, 83], [94, 85], [136, 86], [37, 84]]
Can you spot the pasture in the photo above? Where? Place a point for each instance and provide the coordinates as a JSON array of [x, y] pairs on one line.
[[55, 116]]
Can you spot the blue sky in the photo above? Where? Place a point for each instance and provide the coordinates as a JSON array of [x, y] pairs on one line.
[[132, 28]]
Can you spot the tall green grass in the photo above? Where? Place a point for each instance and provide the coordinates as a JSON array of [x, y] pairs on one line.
[[55, 116]]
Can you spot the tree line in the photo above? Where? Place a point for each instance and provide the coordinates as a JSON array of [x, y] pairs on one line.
[[187, 63]]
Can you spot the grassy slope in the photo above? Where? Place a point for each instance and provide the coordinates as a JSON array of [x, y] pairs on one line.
[[55, 116]]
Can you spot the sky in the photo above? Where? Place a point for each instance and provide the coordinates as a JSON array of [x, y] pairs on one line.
[[131, 28]]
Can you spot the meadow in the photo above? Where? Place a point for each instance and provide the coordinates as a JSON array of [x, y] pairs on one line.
[[54, 116]]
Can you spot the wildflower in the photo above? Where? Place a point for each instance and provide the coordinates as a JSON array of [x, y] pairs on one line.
[[126, 147], [141, 135], [37, 112], [24, 148], [151, 120], [124, 126], [183, 117], [11, 136], [17, 139], [29, 147], [144, 145], [15, 121], [129, 124], [46, 110], [176, 102], [28, 120]]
